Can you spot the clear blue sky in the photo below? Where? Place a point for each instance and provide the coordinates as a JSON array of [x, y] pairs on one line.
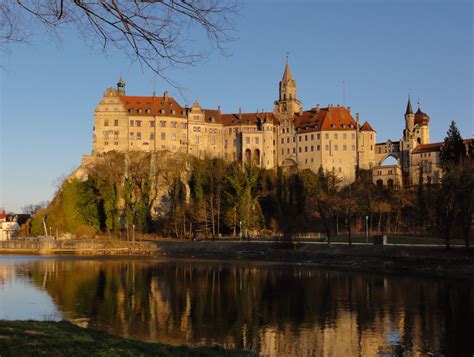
[[381, 51]]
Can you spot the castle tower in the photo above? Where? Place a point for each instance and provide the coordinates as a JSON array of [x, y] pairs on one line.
[[121, 86], [409, 119], [287, 105]]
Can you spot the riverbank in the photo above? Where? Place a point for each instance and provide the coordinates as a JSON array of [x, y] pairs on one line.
[[432, 261], [457, 263], [47, 338]]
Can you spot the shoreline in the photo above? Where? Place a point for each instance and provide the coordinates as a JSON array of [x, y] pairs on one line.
[[455, 263], [63, 338]]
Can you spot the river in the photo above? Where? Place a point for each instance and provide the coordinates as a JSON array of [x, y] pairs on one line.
[[272, 309]]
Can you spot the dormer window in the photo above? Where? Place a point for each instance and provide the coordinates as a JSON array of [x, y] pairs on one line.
[[162, 111], [130, 111], [148, 111], [139, 111]]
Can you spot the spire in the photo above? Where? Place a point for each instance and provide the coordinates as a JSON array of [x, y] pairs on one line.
[[287, 75], [409, 108]]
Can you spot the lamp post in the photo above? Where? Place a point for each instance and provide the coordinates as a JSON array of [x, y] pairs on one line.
[[240, 230], [367, 229]]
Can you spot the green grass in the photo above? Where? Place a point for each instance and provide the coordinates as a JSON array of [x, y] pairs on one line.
[[27, 338]]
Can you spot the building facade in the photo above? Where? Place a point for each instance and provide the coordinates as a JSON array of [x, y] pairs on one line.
[[288, 137], [328, 137]]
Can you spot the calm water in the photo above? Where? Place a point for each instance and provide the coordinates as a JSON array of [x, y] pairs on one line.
[[276, 310]]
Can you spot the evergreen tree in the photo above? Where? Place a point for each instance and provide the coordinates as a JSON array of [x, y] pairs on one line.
[[453, 150]]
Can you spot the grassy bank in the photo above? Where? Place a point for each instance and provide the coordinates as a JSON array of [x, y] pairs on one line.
[[28, 338], [428, 261]]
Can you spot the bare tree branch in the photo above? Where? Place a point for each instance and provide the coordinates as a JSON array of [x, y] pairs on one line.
[[156, 33]]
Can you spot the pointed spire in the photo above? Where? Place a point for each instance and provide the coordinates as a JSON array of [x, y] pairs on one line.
[[409, 108], [287, 75]]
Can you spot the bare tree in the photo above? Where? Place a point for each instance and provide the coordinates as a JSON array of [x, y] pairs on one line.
[[157, 33]]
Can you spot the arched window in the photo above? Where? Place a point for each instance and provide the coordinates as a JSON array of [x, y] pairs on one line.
[[256, 156], [248, 156]]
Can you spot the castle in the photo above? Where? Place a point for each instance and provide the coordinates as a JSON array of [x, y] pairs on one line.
[[327, 137]]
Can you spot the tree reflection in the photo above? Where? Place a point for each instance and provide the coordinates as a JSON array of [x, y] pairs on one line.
[[272, 309]]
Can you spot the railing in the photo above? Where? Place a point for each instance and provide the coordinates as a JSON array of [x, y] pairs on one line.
[[76, 247]]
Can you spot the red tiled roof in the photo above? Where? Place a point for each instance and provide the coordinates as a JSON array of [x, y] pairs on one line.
[[366, 127], [152, 106], [428, 148], [3, 214], [422, 148], [331, 118], [247, 118], [212, 116]]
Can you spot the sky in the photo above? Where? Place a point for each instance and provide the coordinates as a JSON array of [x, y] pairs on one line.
[[381, 50]]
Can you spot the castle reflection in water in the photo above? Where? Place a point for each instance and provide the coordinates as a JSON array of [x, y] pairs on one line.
[[275, 310]]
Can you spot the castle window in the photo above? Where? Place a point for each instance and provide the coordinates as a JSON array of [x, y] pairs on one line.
[[174, 124], [163, 136], [131, 122], [294, 150], [116, 134], [305, 149], [148, 111], [312, 147], [326, 136], [247, 140], [130, 111], [139, 111], [152, 136], [173, 136], [132, 136], [139, 123], [299, 149], [318, 147], [288, 140], [294, 139], [256, 141], [116, 143], [344, 136], [318, 136], [306, 138], [106, 143], [163, 124], [151, 123], [139, 136], [344, 147], [335, 136], [116, 122], [282, 140], [353, 136], [312, 136], [184, 125], [335, 147], [300, 138], [106, 122], [327, 147]]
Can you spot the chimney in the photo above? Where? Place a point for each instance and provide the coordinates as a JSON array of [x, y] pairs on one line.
[[349, 109], [219, 108], [317, 108]]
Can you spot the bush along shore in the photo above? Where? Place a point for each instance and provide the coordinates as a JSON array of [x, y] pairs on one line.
[[47, 338]]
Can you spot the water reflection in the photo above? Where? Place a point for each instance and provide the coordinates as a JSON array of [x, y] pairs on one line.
[[273, 309]]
